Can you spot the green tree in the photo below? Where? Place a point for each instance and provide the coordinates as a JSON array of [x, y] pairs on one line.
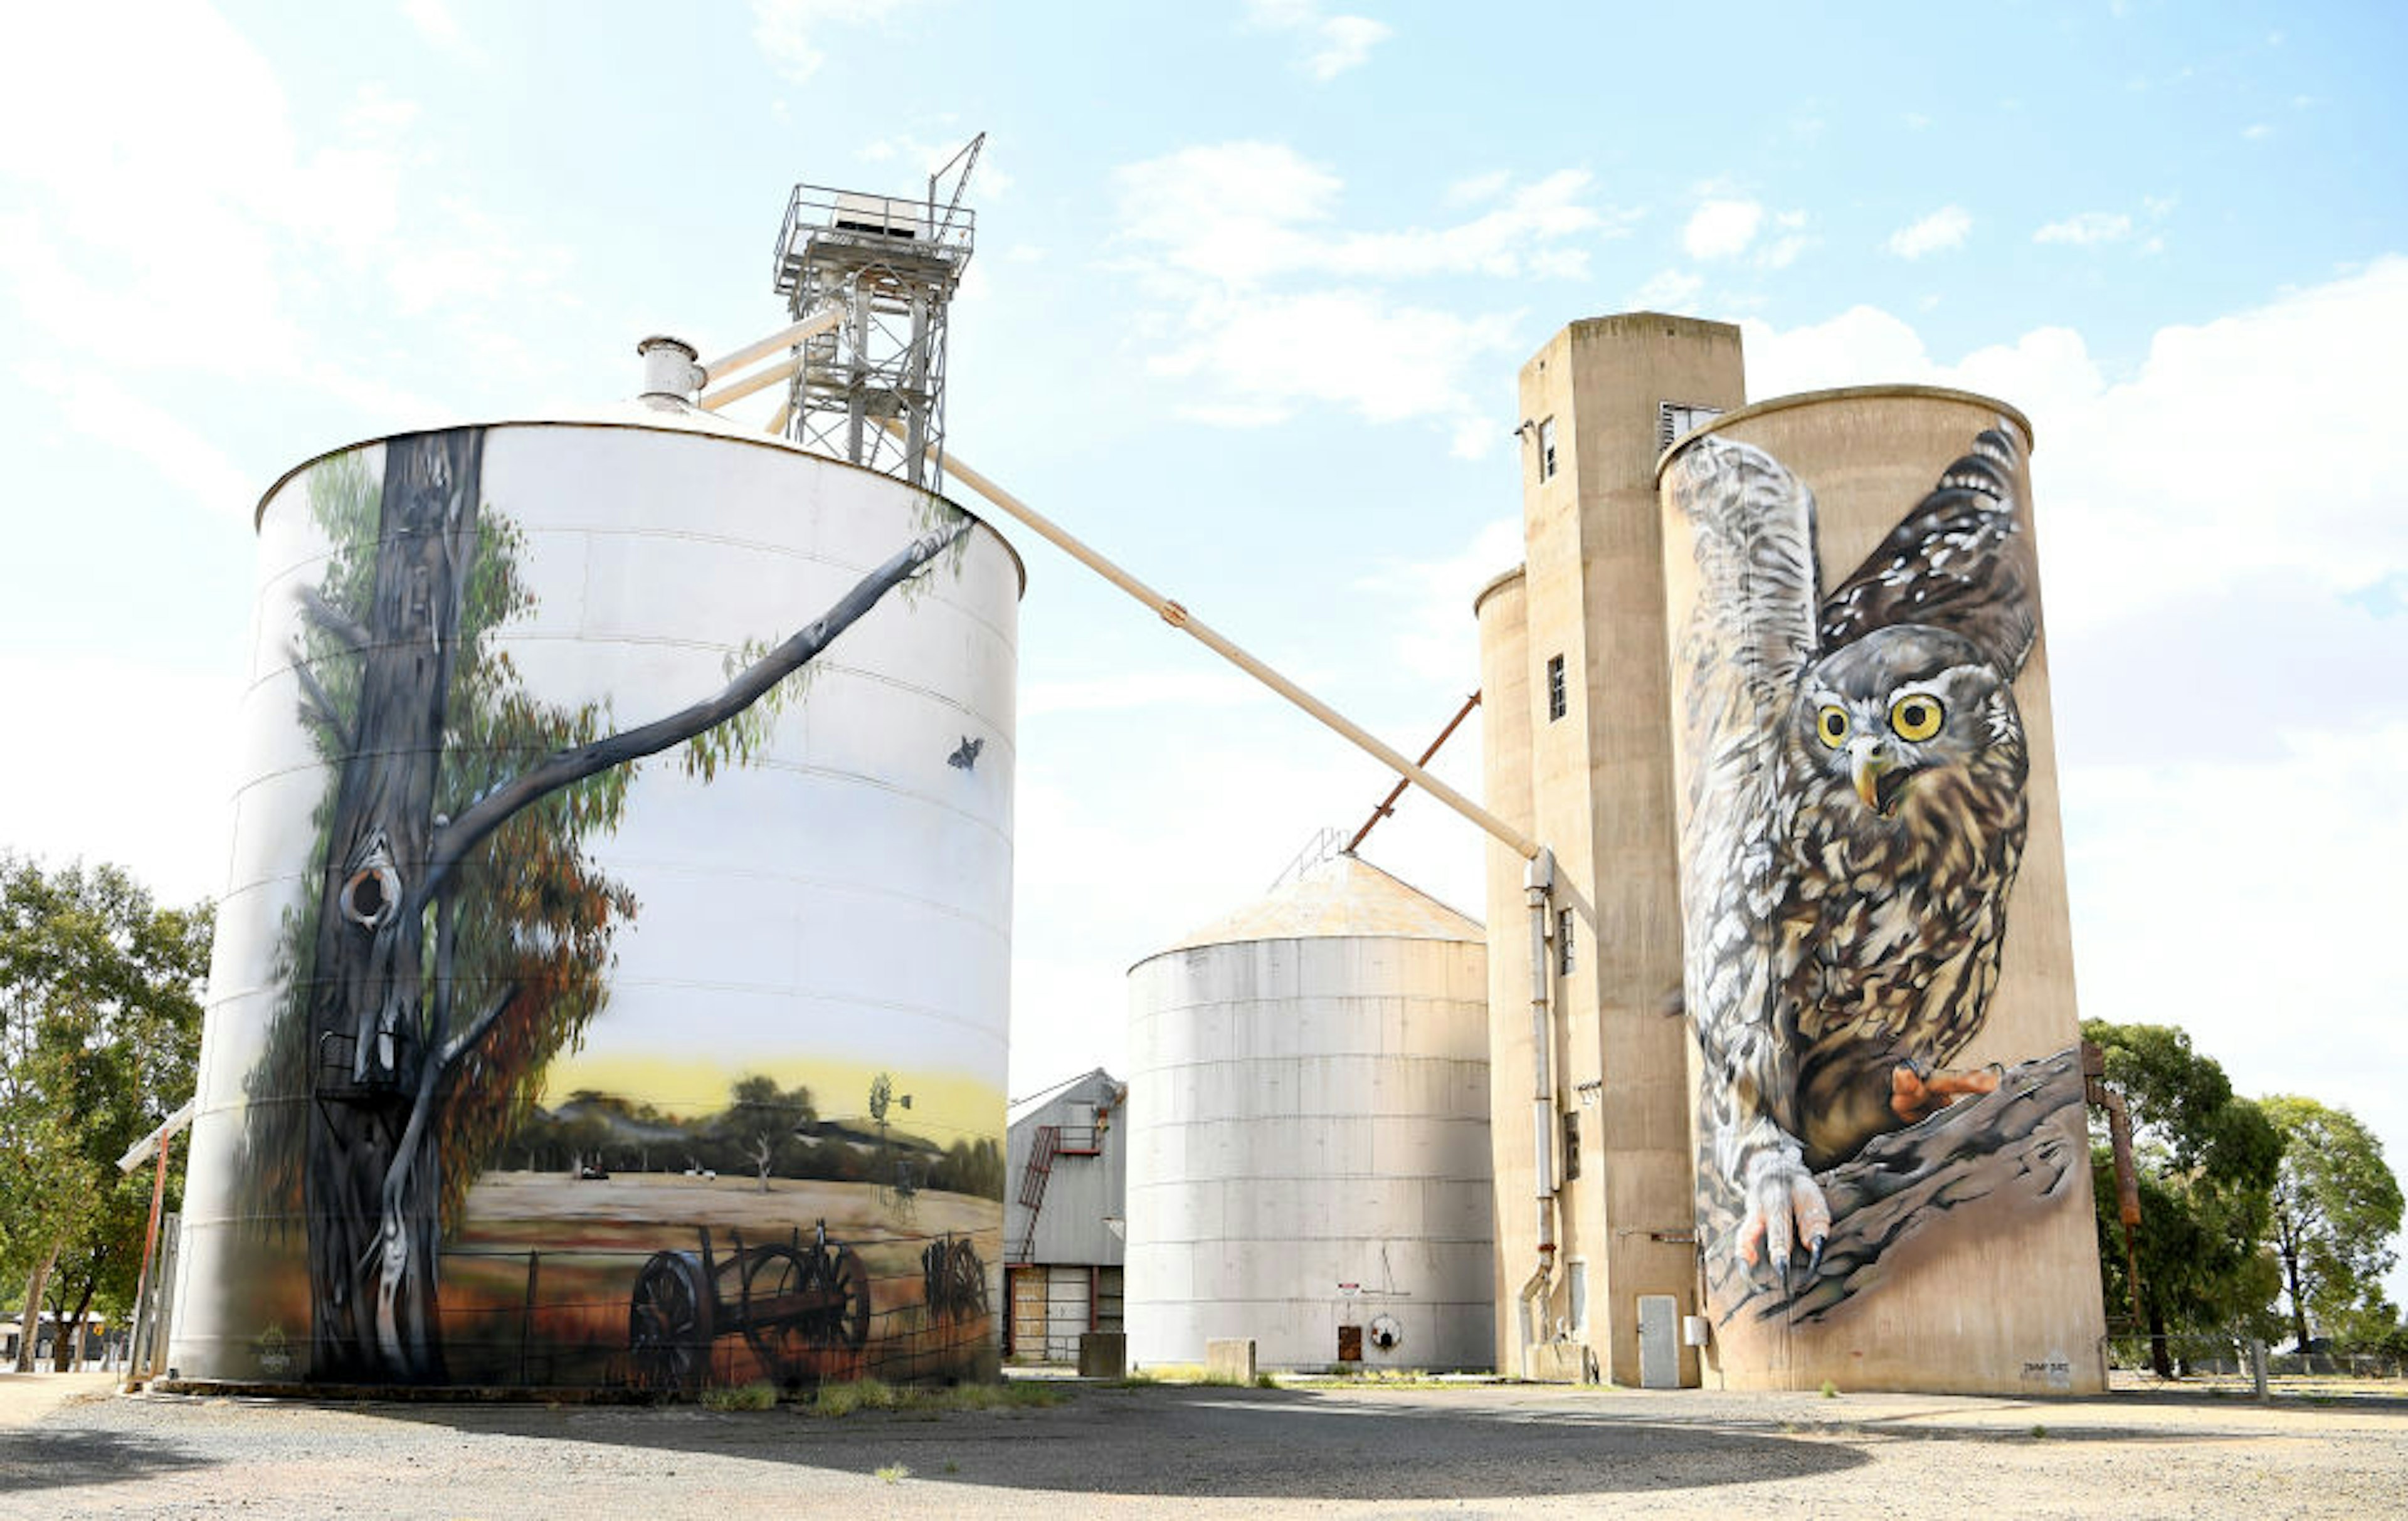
[[2207, 1162], [2336, 1206], [762, 1118], [100, 1017]]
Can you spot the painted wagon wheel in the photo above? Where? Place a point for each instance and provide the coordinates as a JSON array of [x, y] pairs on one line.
[[845, 1321], [771, 1274], [670, 1322], [965, 1292]]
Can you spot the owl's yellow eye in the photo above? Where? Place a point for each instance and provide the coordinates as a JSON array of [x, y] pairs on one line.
[[1832, 725], [1915, 717]]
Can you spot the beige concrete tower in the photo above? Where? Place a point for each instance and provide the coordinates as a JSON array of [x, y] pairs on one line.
[[1573, 658], [1959, 1240]]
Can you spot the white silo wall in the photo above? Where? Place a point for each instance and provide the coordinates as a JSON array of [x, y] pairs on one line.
[[1310, 1114], [831, 902]]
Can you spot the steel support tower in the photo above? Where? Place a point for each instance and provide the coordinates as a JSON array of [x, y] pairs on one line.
[[889, 265]]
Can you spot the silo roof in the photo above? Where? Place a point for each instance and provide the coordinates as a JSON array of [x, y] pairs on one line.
[[1341, 896]]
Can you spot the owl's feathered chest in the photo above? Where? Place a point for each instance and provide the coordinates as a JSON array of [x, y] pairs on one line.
[[1891, 927]]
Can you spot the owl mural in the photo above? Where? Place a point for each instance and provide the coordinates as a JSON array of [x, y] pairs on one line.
[[1856, 770]]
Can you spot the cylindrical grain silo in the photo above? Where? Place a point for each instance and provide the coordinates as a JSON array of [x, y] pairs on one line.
[[1309, 1110], [1502, 607], [1868, 780], [611, 975]]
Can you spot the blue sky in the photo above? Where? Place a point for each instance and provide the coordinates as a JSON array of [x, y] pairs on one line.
[[1252, 283]]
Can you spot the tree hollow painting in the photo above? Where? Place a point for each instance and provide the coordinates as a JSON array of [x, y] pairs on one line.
[[1856, 815], [631, 1003]]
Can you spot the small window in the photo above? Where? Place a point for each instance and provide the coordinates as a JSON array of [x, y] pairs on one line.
[[1571, 1148], [1673, 419], [1554, 687], [1564, 942], [1547, 450], [1579, 1296]]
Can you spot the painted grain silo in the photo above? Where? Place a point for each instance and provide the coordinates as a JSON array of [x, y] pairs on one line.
[[1308, 1110], [1771, 688], [611, 975], [1935, 1141]]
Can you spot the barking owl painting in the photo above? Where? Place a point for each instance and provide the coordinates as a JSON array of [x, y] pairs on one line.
[[1855, 767]]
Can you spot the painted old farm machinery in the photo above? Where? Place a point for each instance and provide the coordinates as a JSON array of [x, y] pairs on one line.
[[953, 1278], [793, 1302]]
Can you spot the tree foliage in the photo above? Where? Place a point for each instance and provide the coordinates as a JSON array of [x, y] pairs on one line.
[[2335, 1208], [2207, 1160], [100, 1017]]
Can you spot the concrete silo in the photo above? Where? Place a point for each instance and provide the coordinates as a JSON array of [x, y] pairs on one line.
[[1308, 1109], [610, 987], [1922, 512]]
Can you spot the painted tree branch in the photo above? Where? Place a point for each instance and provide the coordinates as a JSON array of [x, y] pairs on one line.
[[462, 1045], [454, 841], [317, 704], [334, 620], [2014, 1144]]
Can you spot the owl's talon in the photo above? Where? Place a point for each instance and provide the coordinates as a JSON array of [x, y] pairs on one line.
[[1785, 1211], [1917, 1090]]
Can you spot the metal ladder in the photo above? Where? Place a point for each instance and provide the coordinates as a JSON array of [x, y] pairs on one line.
[[1041, 1150]]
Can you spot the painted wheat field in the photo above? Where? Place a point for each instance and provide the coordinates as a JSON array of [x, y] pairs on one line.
[[539, 1283]]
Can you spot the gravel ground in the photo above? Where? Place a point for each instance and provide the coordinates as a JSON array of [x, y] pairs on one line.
[[68, 1448]]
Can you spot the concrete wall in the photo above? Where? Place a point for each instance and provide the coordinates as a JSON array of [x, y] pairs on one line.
[[1600, 797]]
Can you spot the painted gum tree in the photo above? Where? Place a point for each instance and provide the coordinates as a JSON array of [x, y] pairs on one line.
[[429, 994]]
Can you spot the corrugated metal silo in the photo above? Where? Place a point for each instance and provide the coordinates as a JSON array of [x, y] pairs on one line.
[[530, 1062], [1308, 1113]]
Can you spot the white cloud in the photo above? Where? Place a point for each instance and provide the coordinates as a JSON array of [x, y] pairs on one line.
[[2160, 489], [788, 32], [1721, 229], [1473, 189], [1671, 289], [2086, 227], [2256, 132], [1385, 362], [1436, 638], [1133, 690], [98, 407], [198, 181], [928, 155], [441, 29], [1333, 44], [1242, 213], [1268, 303], [101, 797], [1944, 229]]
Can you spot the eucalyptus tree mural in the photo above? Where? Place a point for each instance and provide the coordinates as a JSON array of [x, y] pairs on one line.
[[458, 935]]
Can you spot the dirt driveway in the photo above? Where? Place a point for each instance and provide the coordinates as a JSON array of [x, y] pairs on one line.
[[1493, 1450]]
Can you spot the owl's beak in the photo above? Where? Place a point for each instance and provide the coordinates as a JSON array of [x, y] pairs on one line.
[[1869, 761]]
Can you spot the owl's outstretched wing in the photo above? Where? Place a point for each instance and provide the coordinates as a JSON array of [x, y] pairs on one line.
[[1961, 561], [1750, 632]]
